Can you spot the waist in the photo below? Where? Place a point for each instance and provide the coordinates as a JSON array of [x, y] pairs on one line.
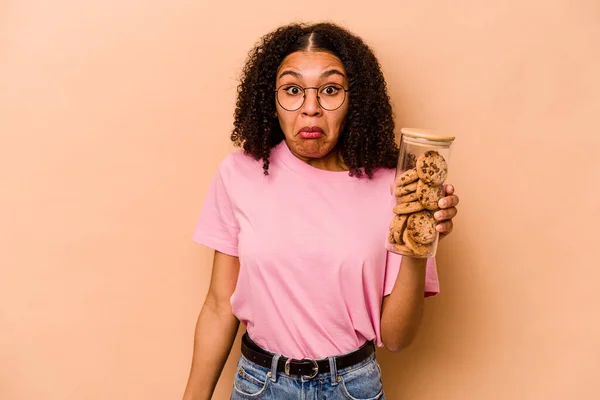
[[307, 367]]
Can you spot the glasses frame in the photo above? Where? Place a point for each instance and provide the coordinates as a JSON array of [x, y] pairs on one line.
[[317, 88]]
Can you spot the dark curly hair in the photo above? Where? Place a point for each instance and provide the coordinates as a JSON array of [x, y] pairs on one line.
[[367, 141]]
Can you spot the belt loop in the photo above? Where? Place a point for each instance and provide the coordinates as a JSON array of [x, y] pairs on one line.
[[333, 370], [274, 363]]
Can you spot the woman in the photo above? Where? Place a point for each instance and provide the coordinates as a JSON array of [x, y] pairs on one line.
[[298, 220]]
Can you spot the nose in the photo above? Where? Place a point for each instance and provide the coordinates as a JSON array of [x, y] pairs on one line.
[[311, 106]]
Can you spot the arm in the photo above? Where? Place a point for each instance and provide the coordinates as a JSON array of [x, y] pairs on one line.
[[215, 330], [402, 309]]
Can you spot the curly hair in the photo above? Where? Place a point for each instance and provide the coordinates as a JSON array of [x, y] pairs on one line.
[[367, 141]]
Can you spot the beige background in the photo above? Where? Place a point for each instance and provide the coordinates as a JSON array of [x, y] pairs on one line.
[[114, 115]]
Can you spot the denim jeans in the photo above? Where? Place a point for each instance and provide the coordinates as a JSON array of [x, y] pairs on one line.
[[361, 381]]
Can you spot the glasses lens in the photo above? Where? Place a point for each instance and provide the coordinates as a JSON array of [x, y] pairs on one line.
[[331, 96], [290, 97]]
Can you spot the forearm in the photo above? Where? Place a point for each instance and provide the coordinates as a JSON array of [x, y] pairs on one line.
[[214, 336], [403, 309]]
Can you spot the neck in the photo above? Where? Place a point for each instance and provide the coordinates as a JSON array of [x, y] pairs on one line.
[[333, 161]]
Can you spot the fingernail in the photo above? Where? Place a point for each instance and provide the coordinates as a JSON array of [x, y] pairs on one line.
[[442, 203], [438, 215], [438, 228]]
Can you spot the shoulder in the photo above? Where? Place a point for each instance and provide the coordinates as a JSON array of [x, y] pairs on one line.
[[377, 185], [384, 175], [239, 164], [238, 157]]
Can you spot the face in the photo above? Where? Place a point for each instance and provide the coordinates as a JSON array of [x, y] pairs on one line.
[[312, 132]]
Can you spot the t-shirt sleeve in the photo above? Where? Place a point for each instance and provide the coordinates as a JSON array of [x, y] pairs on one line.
[[432, 286], [217, 227]]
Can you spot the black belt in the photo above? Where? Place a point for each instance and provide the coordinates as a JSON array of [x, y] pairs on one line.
[[307, 368]]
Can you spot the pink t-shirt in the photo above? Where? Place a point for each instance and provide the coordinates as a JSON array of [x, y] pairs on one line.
[[313, 267]]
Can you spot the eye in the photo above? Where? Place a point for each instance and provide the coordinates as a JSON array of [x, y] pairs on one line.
[[331, 90], [293, 90]]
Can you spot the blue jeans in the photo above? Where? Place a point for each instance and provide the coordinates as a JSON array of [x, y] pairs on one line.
[[361, 381]]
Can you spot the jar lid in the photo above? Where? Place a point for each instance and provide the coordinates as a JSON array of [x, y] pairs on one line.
[[426, 134]]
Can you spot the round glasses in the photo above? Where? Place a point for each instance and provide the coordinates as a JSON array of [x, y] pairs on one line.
[[330, 96]]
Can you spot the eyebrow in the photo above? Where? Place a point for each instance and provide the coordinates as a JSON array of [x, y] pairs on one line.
[[325, 74]]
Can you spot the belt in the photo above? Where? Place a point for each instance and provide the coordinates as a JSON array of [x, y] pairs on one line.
[[307, 367]]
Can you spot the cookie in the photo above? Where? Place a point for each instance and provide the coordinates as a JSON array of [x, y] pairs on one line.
[[432, 168], [400, 226], [397, 237], [417, 248], [421, 227], [391, 238], [410, 161], [400, 222], [429, 195], [403, 249], [394, 220], [397, 228], [402, 190], [407, 208], [409, 197], [407, 177]]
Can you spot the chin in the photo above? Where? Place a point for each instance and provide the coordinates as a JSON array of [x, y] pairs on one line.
[[312, 149]]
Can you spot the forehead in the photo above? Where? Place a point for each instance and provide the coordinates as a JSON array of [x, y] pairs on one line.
[[311, 63]]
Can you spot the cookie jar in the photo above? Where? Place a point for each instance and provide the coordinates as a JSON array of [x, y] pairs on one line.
[[420, 176]]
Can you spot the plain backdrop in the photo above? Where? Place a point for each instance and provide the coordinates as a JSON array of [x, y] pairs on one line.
[[115, 114]]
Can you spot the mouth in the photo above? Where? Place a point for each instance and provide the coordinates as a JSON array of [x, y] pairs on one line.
[[311, 132]]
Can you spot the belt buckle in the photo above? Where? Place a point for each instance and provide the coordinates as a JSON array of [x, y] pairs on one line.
[[314, 363]]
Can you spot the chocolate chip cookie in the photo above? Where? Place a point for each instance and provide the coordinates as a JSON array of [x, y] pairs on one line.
[[407, 177], [397, 227], [421, 227], [417, 248], [403, 249], [429, 195], [402, 190], [408, 208], [409, 197], [432, 168]]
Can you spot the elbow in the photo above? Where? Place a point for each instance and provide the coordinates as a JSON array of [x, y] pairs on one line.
[[398, 336], [398, 343], [392, 348], [396, 347]]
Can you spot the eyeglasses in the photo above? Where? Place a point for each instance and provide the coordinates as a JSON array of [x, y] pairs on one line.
[[330, 96]]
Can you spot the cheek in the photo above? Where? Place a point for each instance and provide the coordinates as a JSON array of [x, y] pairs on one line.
[[341, 120], [286, 122]]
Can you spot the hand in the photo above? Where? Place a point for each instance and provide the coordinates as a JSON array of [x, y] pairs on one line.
[[447, 211]]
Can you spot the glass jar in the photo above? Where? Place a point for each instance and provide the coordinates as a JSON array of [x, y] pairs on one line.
[[419, 184]]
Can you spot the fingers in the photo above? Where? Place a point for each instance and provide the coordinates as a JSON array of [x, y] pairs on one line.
[[448, 211], [449, 189], [443, 215], [445, 227], [448, 201]]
